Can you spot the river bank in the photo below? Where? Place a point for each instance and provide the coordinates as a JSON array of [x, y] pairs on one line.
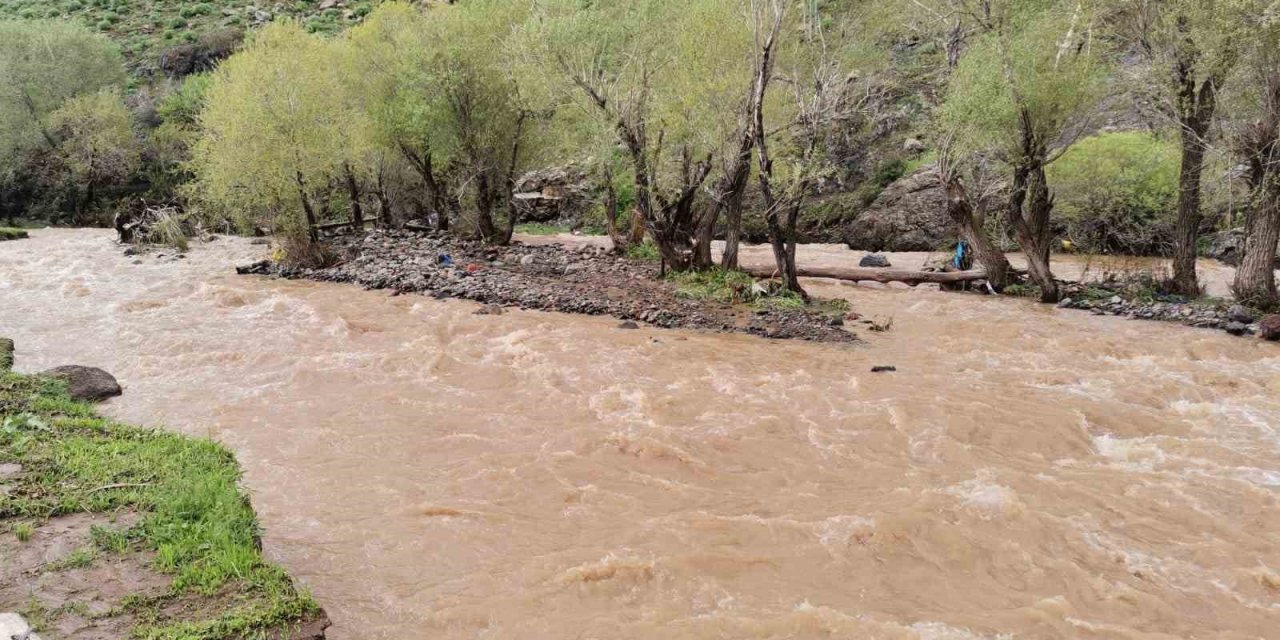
[[111, 531], [583, 280]]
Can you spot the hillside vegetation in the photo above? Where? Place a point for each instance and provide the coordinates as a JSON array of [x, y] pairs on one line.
[[145, 28]]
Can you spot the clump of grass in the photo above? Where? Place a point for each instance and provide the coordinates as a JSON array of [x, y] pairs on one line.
[[108, 539], [718, 285], [194, 515], [10, 233], [78, 559], [644, 252], [22, 531], [540, 229], [1022, 291]]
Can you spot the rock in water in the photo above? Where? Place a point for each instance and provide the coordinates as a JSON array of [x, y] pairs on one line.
[[1237, 328], [875, 260], [1240, 314], [1269, 327], [89, 384]]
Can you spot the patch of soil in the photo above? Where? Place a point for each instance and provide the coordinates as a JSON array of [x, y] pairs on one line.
[[86, 600], [587, 281]]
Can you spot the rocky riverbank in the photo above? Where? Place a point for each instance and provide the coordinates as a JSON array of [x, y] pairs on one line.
[[1115, 299], [586, 281]]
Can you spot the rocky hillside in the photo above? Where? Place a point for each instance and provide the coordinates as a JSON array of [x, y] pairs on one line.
[[148, 29]]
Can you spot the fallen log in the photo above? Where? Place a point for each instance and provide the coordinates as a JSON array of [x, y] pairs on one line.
[[869, 274]]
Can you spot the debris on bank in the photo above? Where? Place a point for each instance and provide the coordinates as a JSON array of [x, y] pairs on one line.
[[589, 281]]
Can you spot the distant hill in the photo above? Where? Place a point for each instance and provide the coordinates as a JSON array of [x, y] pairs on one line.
[[145, 29]]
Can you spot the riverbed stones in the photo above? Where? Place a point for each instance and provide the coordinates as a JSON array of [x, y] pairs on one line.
[[88, 384], [1269, 327], [1237, 328]]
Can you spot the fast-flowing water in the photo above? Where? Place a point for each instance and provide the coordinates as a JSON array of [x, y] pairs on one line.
[[1028, 472]]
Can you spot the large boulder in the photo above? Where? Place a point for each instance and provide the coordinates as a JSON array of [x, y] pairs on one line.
[[1269, 328], [909, 215], [88, 384], [552, 194]]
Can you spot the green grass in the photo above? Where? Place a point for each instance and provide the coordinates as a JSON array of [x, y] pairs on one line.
[[144, 28], [10, 233], [540, 229], [22, 531], [644, 252], [195, 517], [736, 287], [718, 285]]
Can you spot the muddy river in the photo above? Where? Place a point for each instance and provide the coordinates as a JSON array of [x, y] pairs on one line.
[[1028, 472]]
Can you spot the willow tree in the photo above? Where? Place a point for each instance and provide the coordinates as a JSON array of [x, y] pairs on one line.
[[1193, 45], [670, 81], [1256, 140], [446, 99], [272, 133], [96, 143], [42, 65], [1022, 95], [804, 88]]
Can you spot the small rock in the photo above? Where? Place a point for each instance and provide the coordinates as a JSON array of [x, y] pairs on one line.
[[1269, 327], [629, 324], [883, 369], [10, 469], [1066, 303], [875, 260], [1237, 328], [526, 260], [88, 384], [1240, 314], [1115, 300], [913, 145], [490, 310]]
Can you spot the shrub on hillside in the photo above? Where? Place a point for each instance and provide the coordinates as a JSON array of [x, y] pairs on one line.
[[1118, 192]]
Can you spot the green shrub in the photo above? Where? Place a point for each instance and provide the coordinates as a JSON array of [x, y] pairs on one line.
[[1117, 193]]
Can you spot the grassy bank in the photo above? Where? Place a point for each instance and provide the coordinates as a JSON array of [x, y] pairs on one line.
[[10, 233], [194, 524]]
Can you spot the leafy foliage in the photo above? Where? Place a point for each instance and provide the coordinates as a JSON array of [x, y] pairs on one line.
[[1117, 193]]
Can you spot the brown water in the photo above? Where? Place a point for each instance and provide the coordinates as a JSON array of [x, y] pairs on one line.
[[1028, 472]]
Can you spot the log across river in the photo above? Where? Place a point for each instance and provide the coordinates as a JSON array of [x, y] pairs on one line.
[[1028, 472]]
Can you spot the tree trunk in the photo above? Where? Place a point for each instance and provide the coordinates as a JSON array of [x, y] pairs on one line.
[[310, 213], [1028, 213], [1195, 116], [992, 259], [1187, 229], [1255, 282], [620, 240], [484, 208], [353, 194], [732, 193]]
